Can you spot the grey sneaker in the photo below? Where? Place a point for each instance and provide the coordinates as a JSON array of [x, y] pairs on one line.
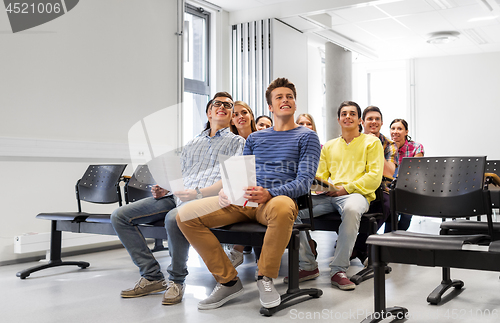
[[269, 296], [235, 257], [173, 294], [221, 295], [145, 287]]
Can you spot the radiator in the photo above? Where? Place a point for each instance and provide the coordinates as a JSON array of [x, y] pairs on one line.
[[33, 242]]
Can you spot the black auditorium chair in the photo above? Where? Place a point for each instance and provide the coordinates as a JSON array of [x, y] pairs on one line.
[[368, 225], [492, 180], [442, 187], [137, 187], [252, 234], [99, 184]]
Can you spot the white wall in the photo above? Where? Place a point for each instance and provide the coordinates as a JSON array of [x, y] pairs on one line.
[[458, 105], [85, 78], [289, 59], [316, 86]]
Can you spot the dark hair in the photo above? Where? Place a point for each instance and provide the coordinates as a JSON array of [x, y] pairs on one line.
[[217, 95], [279, 82], [264, 116], [353, 104], [371, 108], [252, 121], [404, 123]]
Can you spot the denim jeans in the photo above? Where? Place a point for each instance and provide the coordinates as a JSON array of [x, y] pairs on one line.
[[149, 210], [351, 207]]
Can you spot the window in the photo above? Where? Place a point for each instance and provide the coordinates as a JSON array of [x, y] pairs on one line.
[[196, 70], [385, 85]]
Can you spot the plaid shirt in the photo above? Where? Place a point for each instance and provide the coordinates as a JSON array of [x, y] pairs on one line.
[[390, 149], [390, 154], [410, 149], [200, 157]]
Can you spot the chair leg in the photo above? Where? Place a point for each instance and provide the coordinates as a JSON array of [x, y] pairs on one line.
[[159, 246], [381, 311], [55, 255], [367, 272], [435, 296], [293, 290]]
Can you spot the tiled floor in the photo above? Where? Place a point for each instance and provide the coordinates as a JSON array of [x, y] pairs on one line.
[[70, 294]]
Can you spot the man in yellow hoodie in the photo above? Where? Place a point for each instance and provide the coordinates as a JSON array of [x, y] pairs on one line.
[[354, 164]]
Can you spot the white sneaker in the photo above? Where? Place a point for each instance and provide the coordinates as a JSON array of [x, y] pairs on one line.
[[269, 296], [221, 295], [235, 257]]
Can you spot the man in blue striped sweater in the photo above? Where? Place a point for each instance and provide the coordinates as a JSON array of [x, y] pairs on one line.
[[286, 159]]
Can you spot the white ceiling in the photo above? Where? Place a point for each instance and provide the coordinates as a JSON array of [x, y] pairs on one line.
[[385, 29]]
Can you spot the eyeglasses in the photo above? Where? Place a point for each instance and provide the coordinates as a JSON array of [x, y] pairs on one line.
[[218, 104]]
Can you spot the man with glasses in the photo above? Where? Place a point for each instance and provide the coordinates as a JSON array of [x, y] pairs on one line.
[[201, 175], [286, 159]]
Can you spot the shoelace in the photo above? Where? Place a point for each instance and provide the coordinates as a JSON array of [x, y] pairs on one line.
[[342, 275], [141, 283], [217, 287], [267, 285], [173, 285]]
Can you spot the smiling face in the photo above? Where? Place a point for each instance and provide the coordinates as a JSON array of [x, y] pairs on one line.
[[220, 111], [372, 123], [282, 102], [241, 118], [349, 118], [398, 133]]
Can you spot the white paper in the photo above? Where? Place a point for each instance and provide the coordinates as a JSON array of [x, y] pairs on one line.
[[238, 173], [166, 171]]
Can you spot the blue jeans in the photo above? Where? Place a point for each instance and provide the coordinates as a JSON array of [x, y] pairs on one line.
[[149, 210], [350, 207]]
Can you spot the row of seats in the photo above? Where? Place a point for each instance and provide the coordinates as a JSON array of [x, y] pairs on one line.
[[101, 184], [450, 188]]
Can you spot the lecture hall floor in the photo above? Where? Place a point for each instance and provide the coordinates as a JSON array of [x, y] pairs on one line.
[[70, 294]]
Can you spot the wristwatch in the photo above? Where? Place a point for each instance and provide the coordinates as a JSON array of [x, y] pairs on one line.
[[198, 194]]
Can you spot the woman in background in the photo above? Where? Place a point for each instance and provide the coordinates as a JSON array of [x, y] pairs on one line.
[[264, 122], [306, 120], [243, 124], [406, 148]]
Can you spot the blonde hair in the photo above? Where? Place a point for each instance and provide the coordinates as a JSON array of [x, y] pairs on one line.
[[309, 117], [253, 127]]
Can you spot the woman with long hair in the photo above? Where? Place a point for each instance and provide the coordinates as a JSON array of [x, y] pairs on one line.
[[406, 148], [306, 120], [243, 121]]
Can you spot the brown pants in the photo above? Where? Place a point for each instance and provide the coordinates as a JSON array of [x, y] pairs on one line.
[[278, 214]]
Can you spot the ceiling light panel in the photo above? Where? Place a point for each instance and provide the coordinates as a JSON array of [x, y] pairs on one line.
[[442, 4], [459, 17], [385, 28], [408, 7], [360, 14], [475, 36], [426, 23], [491, 33]]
